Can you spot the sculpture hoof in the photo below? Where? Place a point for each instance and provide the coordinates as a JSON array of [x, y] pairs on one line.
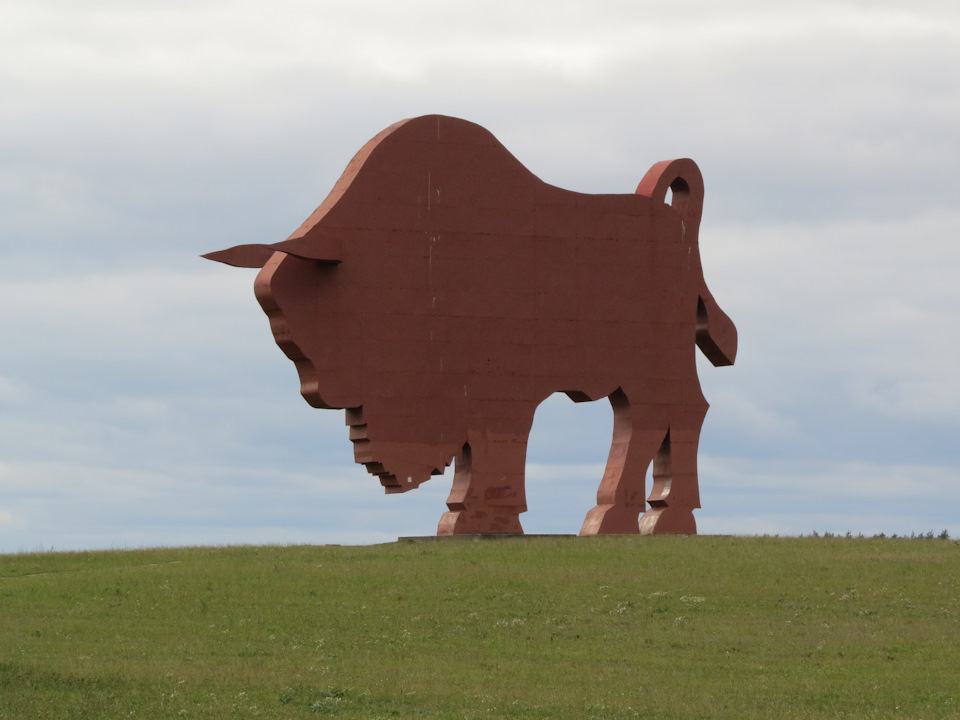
[[611, 520], [464, 522], [668, 521]]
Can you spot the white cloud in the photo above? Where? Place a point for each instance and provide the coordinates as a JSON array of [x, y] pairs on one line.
[[839, 497], [865, 302], [146, 316], [69, 505]]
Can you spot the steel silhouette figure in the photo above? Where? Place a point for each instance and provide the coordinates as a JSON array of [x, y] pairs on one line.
[[442, 291]]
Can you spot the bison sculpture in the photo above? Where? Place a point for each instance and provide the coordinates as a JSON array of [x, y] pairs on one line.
[[442, 291]]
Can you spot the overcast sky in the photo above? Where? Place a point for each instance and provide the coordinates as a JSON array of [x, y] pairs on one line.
[[143, 401]]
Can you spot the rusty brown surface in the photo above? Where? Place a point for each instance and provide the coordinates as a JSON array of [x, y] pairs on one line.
[[442, 291]]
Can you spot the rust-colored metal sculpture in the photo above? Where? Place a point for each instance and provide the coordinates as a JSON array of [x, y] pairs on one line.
[[441, 292]]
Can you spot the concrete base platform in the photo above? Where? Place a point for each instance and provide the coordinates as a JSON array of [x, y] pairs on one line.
[[476, 537]]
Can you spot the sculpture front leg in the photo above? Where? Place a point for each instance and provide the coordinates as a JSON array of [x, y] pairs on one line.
[[488, 491]]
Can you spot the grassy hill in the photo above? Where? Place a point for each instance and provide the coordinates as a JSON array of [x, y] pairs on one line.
[[609, 627]]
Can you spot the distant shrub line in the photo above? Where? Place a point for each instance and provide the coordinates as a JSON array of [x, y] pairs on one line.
[[944, 535]]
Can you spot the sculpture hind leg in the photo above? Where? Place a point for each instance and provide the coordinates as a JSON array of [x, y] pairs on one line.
[[676, 491], [488, 491], [643, 435], [622, 493]]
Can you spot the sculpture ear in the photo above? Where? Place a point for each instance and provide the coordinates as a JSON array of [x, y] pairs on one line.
[[682, 177], [255, 256], [319, 248]]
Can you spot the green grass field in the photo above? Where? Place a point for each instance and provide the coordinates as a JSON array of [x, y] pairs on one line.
[[609, 627]]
